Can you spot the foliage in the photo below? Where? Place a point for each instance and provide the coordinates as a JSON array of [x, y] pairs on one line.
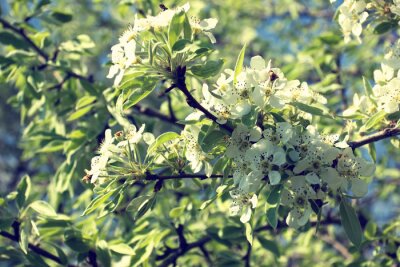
[[201, 151]]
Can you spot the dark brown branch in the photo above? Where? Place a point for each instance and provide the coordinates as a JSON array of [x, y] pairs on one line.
[[36, 249], [60, 84], [386, 133], [340, 82], [170, 108], [247, 257], [172, 255], [176, 253], [181, 85], [21, 32], [156, 177]]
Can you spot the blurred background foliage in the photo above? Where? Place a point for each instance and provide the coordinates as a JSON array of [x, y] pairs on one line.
[[53, 116]]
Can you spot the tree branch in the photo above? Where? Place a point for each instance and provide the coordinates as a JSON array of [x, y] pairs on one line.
[[181, 85], [21, 32], [36, 249], [171, 255], [386, 133], [155, 177]]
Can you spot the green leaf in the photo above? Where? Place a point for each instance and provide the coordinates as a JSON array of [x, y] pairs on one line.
[[79, 113], [103, 253], [122, 249], [269, 245], [137, 203], [23, 190], [61, 16], [249, 233], [370, 230], [187, 28], [61, 255], [384, 27], [239, 63], [43, 208], [24, 231], [181, 45], [176, 212], [394, 116], [84, 101], [372, 151], [350, 223], [175, 27], [52, 146], [75, 240], [272, 205], [310, 109], [373, 121], [160, 140], [99, 200], [142, 87], [211, 139], [210, 69], [330, 38], [7, 38], [367, 88]]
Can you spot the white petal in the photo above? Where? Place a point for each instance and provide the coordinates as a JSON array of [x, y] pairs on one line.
[[359, 187], [208, 24], [246, 215], [274, 177], [257, 63]]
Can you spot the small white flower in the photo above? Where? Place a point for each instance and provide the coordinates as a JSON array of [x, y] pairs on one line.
[[204, 26], [241, 140], [132, 136], [242, 203], [351, 17]]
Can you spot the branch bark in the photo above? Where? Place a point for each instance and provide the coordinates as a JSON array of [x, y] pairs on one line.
[[156, 177], [386, 133], [36, 249], [181, 85]]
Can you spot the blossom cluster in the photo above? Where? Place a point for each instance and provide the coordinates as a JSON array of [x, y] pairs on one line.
[[387, 79], [306, 163], [309, 165], [123, 54], [351, 17], [116, 151], [259, 85], [271, 144]]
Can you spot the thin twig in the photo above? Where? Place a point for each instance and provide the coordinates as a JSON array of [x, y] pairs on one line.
[[337, 246]]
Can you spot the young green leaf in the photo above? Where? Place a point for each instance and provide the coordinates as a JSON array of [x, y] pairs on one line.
[[239, 63], [43, 208], [162, 139], [122, 249], [272, 205], [23, 190], [210, 69], [351, 223], [175, 27]]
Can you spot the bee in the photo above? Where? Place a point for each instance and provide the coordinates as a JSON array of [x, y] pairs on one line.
[[272, 76], [163, 7]]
